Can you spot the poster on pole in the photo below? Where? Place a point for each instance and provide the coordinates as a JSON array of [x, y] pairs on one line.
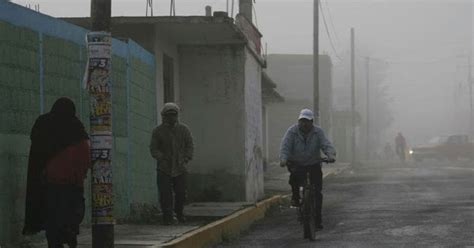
[[98, 83]]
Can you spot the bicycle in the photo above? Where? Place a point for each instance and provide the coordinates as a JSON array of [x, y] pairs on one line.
[[307, 208]]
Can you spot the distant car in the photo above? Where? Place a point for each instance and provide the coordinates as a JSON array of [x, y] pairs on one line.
[[446, 147]]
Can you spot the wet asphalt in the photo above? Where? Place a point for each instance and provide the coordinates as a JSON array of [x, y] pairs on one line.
[[428, 204]]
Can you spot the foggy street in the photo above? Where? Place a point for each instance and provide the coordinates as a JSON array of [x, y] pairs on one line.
[[194, 123], [427, 204]]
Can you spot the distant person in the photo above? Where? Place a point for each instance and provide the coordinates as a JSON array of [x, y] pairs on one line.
[[301, 151], [388, 152], [58, 163], [400, 147], [172, 146]]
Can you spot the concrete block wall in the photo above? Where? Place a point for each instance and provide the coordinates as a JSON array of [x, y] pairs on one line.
[[19, 106], [29, 52], [119, 128], [142, 98], [62, 71]]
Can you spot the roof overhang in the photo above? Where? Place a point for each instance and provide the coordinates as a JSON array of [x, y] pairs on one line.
[[269, 93], [182, 30]]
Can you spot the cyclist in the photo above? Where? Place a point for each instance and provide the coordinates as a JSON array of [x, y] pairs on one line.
[[301, 150]]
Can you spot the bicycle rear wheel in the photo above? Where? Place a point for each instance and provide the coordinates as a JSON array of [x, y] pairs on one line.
[[309, 219]]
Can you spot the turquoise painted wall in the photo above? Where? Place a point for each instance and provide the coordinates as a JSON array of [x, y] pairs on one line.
[[42, 59]]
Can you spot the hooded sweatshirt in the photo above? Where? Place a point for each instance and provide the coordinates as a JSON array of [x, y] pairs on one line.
[[172, 146]]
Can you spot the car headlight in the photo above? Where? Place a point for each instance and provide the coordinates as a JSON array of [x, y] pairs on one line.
[[411, 152]]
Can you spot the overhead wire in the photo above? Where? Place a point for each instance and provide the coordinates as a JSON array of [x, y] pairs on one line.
[[331, 22], [329, 34]]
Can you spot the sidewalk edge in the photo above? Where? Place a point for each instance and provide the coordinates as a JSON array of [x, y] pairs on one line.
[[230, 226]]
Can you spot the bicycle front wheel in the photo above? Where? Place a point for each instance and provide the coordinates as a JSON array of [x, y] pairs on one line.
[[309, 218]]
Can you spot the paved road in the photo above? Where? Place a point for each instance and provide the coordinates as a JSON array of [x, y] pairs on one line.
[[429, 204]]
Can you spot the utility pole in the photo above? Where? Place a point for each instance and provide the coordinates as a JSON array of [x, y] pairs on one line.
[[469, 81], [316, 60], [353, 113], [367, 144], [99, 45]]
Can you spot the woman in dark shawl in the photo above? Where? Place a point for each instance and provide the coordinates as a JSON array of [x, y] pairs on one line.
[[57, 166]]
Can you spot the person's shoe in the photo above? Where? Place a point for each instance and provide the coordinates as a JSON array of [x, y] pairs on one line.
[[300, 217], [319, 227], [72, 243], [181, 218], [169, 220], [295, 203]]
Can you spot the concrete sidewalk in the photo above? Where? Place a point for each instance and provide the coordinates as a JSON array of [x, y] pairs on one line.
[[210, 222]]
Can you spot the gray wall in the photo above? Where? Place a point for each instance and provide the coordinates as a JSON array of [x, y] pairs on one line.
[[280, 117], [254, 126], [222, 103], [326, 94], [212, 99], [293, 74]]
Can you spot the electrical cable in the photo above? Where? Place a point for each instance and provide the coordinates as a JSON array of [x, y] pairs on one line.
[[331, 22], [329, 34]]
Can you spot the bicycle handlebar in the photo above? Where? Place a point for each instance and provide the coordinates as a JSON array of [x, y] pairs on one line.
[[322, 160], [325, 160]]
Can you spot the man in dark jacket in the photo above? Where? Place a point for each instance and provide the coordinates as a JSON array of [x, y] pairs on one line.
[[172, 146]]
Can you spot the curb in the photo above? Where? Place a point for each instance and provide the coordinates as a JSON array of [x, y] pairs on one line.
[[230, 226]]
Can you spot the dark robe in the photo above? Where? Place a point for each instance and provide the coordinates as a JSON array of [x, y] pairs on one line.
[[51, 133]]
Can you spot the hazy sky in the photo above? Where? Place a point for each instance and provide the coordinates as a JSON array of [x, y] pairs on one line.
[[425, 41]]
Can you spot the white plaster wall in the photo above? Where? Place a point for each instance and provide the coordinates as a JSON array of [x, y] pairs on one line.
[[160, 47], [265, 132], [253, 129], [212, 95]]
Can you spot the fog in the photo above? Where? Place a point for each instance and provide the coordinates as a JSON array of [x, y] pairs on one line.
[[424, 44]]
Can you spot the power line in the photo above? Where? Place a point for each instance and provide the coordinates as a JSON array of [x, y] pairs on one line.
[[332, 23], [329, 34]]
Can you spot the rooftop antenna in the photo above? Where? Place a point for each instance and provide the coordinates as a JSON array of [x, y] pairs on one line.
[[149, 5]]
